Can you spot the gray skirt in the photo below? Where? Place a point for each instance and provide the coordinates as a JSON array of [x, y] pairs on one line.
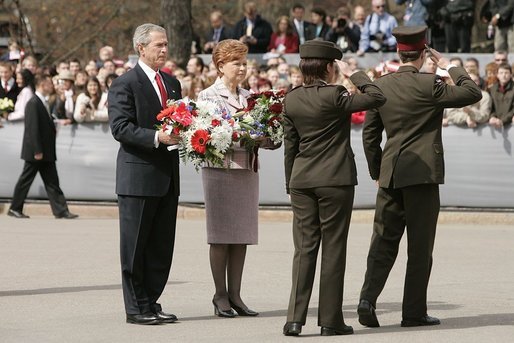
[[231, 205]]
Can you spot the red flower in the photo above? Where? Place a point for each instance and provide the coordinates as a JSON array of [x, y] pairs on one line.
[[215, 122], [199, 141], [268, 94], [176, 130], [182, 115], [251, 104], [235, 137], [166, 113], [276, 108], [274, 122]]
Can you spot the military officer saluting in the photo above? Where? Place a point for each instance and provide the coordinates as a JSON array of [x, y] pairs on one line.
[[409, 170], [320, 177]]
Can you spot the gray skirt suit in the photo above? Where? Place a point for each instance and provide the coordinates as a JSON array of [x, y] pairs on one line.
[[231, 193]]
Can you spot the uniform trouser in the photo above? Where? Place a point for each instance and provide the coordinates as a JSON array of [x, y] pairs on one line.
[[321, 216], [147, 237], [417, 208], [48, 173]]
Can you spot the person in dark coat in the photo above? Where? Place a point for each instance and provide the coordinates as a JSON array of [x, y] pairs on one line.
[[320, 178], [217, 32], [38, 151], [459, 17], [408, 171], [253, 30], [344, 32], [502, 96], [320, 28], [303, 29], [147, 177]]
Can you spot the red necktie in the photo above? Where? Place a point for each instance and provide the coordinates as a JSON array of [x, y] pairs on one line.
[[6, 87], [162, 90]]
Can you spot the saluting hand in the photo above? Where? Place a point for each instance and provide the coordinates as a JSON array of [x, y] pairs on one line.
[[438, 59], [344, 68]]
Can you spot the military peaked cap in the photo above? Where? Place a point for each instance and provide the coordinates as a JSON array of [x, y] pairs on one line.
[[320, 49], [410, 38]]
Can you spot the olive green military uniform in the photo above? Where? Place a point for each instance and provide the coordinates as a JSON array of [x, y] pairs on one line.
[[320, 177], [409, 170]]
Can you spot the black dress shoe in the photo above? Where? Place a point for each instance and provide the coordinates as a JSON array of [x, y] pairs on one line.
[[346, 330], [16, 214], [243, 312], [143, 319], [367, 315], [224, 314], [292, 329], [165, 317], [422, 321], [67, 215]]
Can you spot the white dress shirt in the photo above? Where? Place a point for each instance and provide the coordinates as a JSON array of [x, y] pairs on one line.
[[151, 76]]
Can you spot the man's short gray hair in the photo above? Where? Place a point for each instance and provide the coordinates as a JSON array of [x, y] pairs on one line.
[[142, 34]]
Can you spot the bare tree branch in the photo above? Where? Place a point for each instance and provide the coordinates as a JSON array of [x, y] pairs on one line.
[[95, 34], [23, 26], [71, 31]]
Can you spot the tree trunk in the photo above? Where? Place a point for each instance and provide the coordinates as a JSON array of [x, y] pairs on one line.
[[176, 19]]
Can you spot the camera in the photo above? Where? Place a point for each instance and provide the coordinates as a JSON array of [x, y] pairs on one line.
[[341, 22]]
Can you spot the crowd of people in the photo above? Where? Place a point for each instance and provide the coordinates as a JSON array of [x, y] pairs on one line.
[[320, 169], [80, 89]]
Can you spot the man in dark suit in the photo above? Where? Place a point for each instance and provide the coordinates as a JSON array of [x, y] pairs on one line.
[[408, 171], [8, 87], [38, 151], [216, 33], [253, 30], [303, 29], [147, 177]]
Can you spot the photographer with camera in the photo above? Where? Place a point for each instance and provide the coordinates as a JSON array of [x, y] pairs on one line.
[[377, 33], [459, 17], [344, 32]]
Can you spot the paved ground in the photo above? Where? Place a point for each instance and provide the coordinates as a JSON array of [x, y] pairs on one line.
[[60, 282]]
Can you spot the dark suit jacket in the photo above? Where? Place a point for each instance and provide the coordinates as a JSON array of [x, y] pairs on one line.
[[309, 30], [226, 33], [322, 34], [11, 94], [142, 170], [503, 102], [261, 31], [412, 117], [317, 132], [39, 135]]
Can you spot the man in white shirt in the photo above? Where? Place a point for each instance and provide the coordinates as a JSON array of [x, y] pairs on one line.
[[304, 29], [147, 177]]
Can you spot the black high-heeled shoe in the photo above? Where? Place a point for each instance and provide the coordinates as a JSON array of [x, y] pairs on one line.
[[224, 314], [243, 312]]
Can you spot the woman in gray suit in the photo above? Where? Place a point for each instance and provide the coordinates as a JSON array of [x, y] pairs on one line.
[[320, 177], [232, 192]]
